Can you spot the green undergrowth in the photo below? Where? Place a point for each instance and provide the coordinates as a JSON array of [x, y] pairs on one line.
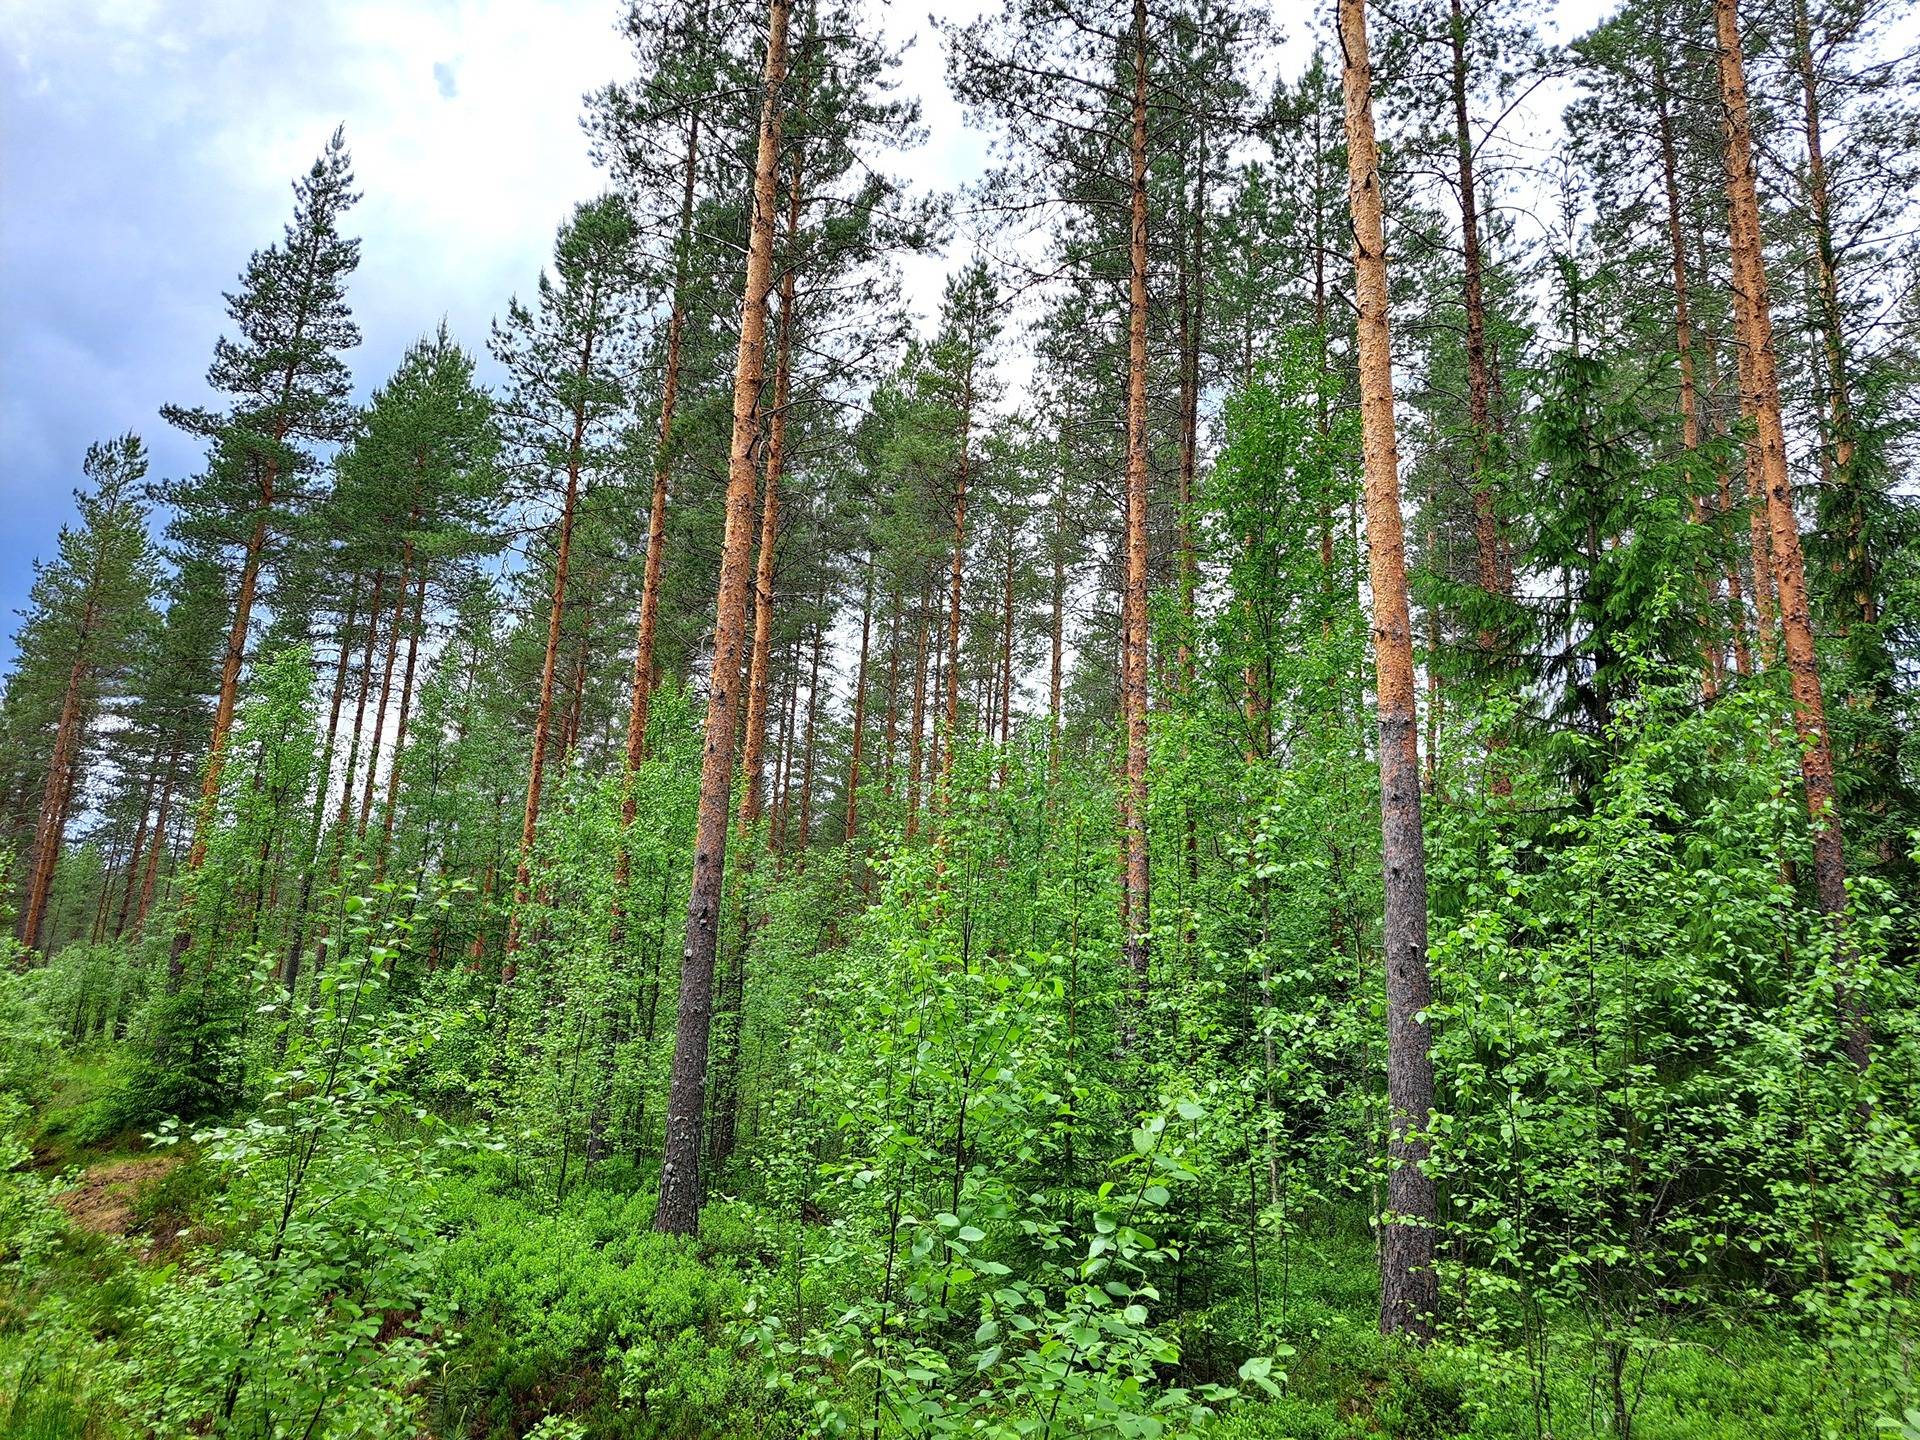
[[568, 1317]]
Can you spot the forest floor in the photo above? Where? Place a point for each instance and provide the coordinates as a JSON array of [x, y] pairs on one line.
[[576, 1318]]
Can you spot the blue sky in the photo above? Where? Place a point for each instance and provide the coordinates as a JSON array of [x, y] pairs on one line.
[[147, 146]]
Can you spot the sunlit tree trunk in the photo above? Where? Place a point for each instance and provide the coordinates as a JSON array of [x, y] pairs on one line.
[[1408, 1291], [1761, 394], [751, 792], [1138, 928], [556, 614], [679, 1206]]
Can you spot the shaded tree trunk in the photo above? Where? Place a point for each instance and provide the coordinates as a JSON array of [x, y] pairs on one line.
[[400, 725], [859, 704]]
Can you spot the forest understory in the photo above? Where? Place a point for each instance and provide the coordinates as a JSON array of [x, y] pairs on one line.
[[1293, 816]]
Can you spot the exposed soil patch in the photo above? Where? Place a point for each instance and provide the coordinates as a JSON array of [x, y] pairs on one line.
[[103, 1200]]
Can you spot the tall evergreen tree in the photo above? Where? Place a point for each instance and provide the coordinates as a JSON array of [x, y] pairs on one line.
[[286, 385], [89, 611]]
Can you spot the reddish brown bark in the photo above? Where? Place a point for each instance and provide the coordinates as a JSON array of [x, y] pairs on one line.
[[57, 794], [556, 613], [679, 1207], [1408, 1284], [1761, 400], [1136, 936], [751, 794]]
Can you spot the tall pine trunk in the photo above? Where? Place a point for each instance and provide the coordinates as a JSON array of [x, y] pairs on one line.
[[751, 794], [57, 795], [918, 722], [679, 1208], [1711, 654], [1408, 1289], [1137, 932], [1761, 397], [556, 613]]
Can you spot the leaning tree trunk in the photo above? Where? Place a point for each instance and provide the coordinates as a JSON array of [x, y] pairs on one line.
[[1754, 318], [679, 1208], [1408, 1290], [400, 722], [386, 689]]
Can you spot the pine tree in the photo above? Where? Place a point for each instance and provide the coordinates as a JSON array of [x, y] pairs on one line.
[[679, 1208], [88, 614], [288, 388], [1760, 401], [1408, 1292], [570, 362]]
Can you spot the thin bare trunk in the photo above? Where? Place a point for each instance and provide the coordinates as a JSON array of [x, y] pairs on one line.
[[400, 726], [919, 717], [386, 686], [1711, 655], [643, 663], [556, 613], [859, 704], [954, 583], [806, 763]]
